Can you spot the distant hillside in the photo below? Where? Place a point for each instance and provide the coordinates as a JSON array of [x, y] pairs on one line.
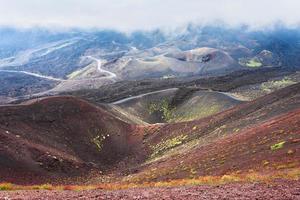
[[195, 50], [19, 84], [202, 61]]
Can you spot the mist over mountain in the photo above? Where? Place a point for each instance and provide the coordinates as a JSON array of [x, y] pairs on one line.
[[146, 15]]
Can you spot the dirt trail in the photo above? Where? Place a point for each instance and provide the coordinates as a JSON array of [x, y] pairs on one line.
[[34, 74], [99, 65], [141, 95]]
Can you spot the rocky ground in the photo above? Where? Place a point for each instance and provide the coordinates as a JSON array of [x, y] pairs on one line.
[[279, 190]]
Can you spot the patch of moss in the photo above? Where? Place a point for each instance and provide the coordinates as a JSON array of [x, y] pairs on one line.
[[277, 146], [253, 63]]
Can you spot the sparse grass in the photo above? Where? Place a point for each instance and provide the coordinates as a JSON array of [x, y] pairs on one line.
[[43, 187], [6, 186], [291, 174], [167, 145], [230, 178], [271, 86], [198, 112]]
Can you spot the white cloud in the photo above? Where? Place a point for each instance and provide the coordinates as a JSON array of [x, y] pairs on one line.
[[145, 14]]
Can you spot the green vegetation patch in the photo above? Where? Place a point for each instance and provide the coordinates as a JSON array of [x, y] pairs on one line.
[[253, 63], [164, 107], [271, 86], [167, 145], [277, 146], [197, 112]]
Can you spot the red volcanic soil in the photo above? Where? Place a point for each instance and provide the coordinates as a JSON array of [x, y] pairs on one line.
[[247, 150], [58, 137], [279, 190], [236, 140], [63, 137]]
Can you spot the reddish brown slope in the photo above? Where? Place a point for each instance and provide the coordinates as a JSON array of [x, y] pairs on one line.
[[60, 136], [238, 139], [248, 149], [63, 136]]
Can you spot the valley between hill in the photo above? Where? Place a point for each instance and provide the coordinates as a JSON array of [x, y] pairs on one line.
[[68, 141]]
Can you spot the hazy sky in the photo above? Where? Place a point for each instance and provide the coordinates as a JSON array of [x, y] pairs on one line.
[[145, 14]]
